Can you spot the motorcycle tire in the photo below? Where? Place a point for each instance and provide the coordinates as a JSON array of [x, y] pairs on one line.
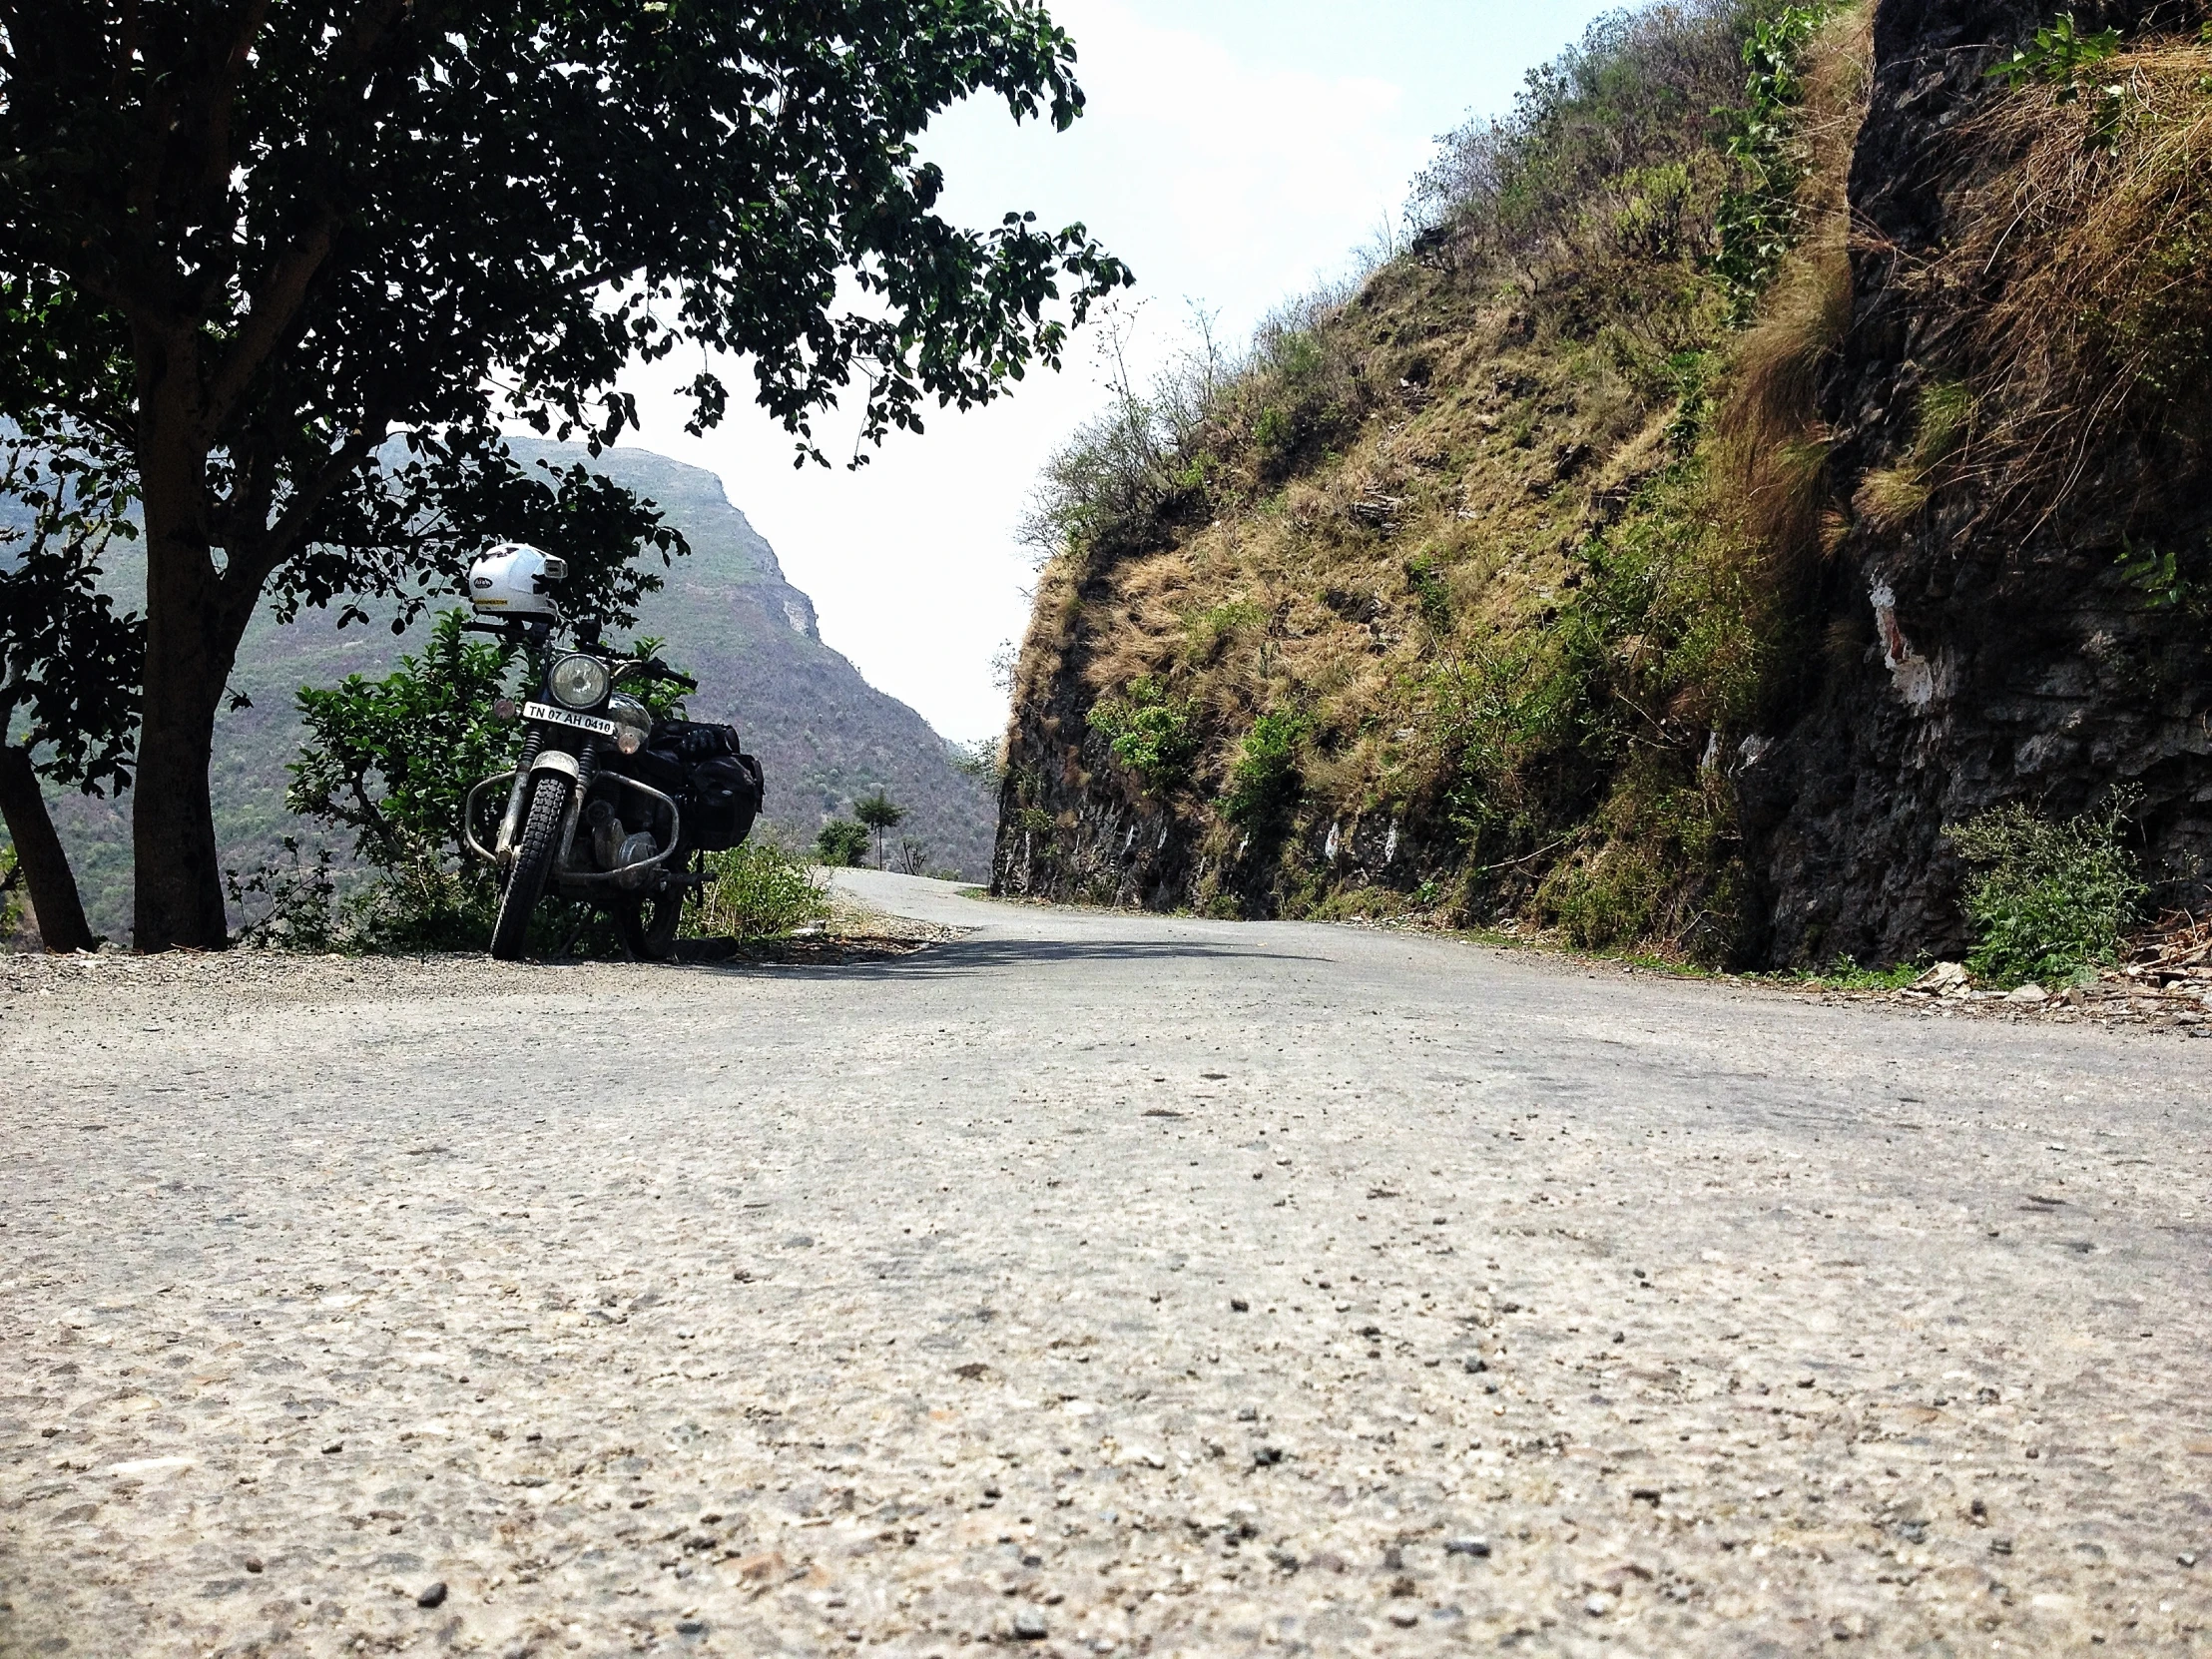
[[526, 878], [646, 927]]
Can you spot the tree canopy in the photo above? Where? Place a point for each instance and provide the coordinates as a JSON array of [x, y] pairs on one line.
[[249, 243]]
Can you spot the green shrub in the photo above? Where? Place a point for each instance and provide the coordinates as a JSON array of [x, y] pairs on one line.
[[1606, 900], [1148, 731], [2056, 57], [1759, 222], [760, 891], [1425, 575], [424, 902], [11, 901], [1264, 778], [1210, 628], [843, 843], [289, 902], [2047, 900]]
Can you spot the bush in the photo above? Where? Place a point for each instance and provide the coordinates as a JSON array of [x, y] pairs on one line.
[[1265, 779], [1431, 594], [2047, 901], [1122, 466], [289, 902], [760, 891], [1148, 731], [11, 901], [843, 843], [1624, 98], [982, 761]]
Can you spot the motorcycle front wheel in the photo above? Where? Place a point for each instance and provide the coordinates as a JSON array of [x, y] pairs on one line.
[[648, 925], [526, 878]]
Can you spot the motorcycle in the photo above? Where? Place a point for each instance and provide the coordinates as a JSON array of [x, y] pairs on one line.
[[608, 803]]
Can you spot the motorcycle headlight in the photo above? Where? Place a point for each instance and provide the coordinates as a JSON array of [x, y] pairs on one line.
[[580, 681], [635, 719]]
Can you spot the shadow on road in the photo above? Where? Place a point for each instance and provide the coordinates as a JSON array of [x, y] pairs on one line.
[[960, 957]]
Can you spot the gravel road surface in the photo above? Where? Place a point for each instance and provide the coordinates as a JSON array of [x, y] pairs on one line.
[[1088, 1283]]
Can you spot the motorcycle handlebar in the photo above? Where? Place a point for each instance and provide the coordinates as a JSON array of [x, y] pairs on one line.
[[651, 668]]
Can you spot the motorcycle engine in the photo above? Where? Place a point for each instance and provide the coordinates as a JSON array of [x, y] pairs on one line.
[[605, 834], [634, 847]]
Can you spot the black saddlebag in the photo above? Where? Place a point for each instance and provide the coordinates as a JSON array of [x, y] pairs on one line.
[[720, 799], [718, 785]]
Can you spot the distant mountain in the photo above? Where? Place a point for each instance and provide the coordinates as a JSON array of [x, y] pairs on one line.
[[823, 735]]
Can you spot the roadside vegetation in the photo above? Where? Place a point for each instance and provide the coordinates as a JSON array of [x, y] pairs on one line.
[[1491, 556], [760, 891], [2050, 900], [1467, 588], [843, 843]]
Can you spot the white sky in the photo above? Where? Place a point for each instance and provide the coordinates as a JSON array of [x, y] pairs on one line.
[[1234, 153]]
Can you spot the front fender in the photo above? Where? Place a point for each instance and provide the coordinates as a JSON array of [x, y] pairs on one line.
[[557, 759]]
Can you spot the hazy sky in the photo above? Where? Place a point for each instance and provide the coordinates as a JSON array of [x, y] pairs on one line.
[[1235, 152]]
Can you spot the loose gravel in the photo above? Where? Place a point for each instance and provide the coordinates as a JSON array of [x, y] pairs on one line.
[[1087, 1284]]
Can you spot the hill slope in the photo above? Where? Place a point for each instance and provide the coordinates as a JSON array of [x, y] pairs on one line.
[[823, 735], [1708, 512]]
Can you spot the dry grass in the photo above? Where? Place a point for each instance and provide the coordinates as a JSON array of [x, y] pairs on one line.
[[1504, 471], [1772, 449], [1889, 498], [2081, 277]]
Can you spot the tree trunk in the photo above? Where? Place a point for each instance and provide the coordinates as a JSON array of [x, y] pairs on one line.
[[192, 626], [60, 913]]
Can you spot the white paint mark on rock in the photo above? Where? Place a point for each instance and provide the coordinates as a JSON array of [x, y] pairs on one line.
[[1911, 674]]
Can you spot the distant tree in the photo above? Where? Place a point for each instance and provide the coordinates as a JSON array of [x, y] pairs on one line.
[[843, 843], [914, 856], [879, 813], [982, 761], [69, 705], [248, 245]]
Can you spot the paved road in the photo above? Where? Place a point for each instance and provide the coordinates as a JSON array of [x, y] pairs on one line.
[[1159, 1285]]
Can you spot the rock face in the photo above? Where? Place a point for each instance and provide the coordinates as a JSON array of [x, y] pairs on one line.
[[824, 736], [1979, 655], [1980, 664]]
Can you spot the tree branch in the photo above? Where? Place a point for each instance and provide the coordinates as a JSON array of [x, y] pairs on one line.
[[221, 101], [285, 535], [284, 290], [275, 308]]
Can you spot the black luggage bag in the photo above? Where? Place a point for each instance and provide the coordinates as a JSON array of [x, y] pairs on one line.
[[719, 787], [721, 800]]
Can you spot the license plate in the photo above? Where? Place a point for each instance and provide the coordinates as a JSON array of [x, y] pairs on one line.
[[565, 717]]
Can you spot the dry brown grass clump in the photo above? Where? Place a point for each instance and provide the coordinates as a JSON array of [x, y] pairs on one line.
[[1770, 450], [2080, 274]]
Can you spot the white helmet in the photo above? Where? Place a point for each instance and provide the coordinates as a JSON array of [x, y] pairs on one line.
[[511, 580]]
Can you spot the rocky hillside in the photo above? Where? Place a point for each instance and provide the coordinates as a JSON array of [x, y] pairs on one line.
[[1707, 513], [824, 733]]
